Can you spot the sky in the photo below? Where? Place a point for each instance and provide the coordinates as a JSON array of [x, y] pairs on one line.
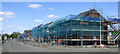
[[19, 16], [60, 0]]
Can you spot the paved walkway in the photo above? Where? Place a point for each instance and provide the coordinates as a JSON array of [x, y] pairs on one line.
[[13, 46], [37, 44]]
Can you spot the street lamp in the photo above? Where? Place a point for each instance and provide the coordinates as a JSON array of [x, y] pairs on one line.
[[100, 23], [39, 34], [100, 29], [1, 36]]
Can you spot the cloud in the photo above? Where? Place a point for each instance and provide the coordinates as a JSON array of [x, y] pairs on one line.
[[9, 26], [52, 16], [7, 14], [34, 5], [51, 8], [114, 14], [20, 27], [1, 24], [1, 19], [6, 21], [38, 20], [1, 13]]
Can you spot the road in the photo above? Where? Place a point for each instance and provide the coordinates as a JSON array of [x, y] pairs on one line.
[[0, 46], [13, 46]]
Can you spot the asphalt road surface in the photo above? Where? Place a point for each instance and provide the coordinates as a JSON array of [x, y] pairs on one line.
[[13, 46], [0, 46]]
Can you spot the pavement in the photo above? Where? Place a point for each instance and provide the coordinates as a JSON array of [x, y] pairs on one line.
[[14, 46], [31, 43]]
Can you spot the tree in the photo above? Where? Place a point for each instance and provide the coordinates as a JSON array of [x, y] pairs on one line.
[[6, 35], [26, 31], [15, 34]]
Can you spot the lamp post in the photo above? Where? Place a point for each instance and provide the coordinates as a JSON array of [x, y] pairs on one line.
[[39, 34], [39, 39], [100, 24], [43, 36], [100, 29], [66, 40], [48, 33], [1, 36]]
